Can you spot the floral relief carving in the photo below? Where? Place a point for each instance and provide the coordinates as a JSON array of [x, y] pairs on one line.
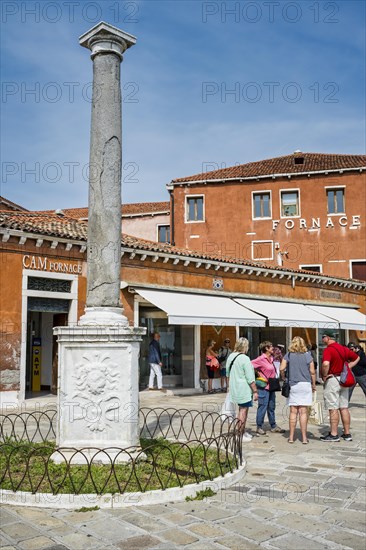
[[96, 381]]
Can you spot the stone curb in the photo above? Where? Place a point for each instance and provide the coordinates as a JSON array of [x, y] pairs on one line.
[[70, 501]]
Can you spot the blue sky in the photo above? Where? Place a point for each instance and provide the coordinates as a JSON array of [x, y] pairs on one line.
[[208, 84]]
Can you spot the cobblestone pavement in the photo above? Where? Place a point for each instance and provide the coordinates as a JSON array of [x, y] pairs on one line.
[[292, 497]]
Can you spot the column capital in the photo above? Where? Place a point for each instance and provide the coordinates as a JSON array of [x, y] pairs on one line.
[[104, 38]]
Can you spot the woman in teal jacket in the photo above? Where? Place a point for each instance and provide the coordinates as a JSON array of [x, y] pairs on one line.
[[242, 388]]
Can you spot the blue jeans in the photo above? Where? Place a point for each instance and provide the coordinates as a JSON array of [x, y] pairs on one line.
[[361, 381], [266, 404]]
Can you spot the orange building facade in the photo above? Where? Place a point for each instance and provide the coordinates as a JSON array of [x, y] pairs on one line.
[[303, 211], [185, 295]]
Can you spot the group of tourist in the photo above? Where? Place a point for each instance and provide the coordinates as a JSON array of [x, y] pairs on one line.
[[259, 380]]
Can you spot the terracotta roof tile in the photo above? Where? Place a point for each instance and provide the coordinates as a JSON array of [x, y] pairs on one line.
[[44, 224], [127, 209], [313, 162], [145, 207], [6, 204]]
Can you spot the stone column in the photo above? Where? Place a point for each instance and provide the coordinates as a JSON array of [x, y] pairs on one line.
[[107, 44], [98, 402]]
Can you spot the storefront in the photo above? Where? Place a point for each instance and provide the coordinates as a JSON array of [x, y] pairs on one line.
[[195, 318]]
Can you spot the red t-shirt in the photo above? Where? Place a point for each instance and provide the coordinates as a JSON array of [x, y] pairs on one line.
[[336, 355]]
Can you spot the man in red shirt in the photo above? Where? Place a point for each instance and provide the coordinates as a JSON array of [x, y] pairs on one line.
[[335, 395]]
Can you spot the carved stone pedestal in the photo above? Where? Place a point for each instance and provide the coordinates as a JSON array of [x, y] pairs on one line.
[[98, 389]]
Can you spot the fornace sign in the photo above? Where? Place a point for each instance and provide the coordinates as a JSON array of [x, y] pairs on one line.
[[45, 264], [332, 221]]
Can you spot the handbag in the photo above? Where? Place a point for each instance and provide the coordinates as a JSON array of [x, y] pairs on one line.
[[285, 389], [286, 385], [228, 408], [274, 384], [315, 412], [347, 378]]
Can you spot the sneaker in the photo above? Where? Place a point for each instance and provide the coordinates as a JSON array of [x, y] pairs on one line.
[[277, 430], [346, 437], [246, 438], [260, 431], [329, 438]]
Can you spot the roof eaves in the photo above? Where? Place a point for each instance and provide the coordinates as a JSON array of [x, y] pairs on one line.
[[175, 183], [245, 267]]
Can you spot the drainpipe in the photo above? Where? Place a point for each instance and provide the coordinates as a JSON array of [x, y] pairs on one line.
[[171, 218]]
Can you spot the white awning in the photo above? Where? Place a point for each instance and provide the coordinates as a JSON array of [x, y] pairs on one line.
[[183, 308], [347, 318], [288, 314]]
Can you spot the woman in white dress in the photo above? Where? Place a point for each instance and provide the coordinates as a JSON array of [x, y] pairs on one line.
[[301, 376]]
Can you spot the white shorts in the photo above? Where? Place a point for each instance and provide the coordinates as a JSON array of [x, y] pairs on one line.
[[335, 395]]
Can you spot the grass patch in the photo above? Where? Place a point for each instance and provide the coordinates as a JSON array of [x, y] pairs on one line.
[[27, 467], [86, 509], [201, 495]]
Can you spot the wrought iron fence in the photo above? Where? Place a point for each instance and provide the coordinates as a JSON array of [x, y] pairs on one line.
[[178, 447]]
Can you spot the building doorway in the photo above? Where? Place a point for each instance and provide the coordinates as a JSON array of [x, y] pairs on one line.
[[48, 300], [41, 353]]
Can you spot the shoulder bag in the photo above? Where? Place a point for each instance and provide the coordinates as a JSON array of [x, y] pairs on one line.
[[286, 385], [347, 378]]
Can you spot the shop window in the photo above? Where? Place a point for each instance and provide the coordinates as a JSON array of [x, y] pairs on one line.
[[164, 233], [48, 285], [290, 204], [194, 209], [335, 199], [261, 205]]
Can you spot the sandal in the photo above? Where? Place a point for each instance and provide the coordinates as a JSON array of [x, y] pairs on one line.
[[211, 391], [290, 441], [305, 442]]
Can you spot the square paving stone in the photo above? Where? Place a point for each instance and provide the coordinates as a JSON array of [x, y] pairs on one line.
[[299, 523], [237, 543], [289, 542], [37, 543], [324, 501], [361, 506], [212, 514], [206, 530], [79, 541], [178, 537], [203, 545], [347, 539], [81, 517], [147, 523], [179, 519], [6, 518], [262, 513], [350, 519], [349, 482], [158, 509], [138, 543], [248, 527], [113, 530], [20, 531]]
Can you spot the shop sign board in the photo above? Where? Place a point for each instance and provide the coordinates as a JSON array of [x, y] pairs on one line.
[[47, 264]]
